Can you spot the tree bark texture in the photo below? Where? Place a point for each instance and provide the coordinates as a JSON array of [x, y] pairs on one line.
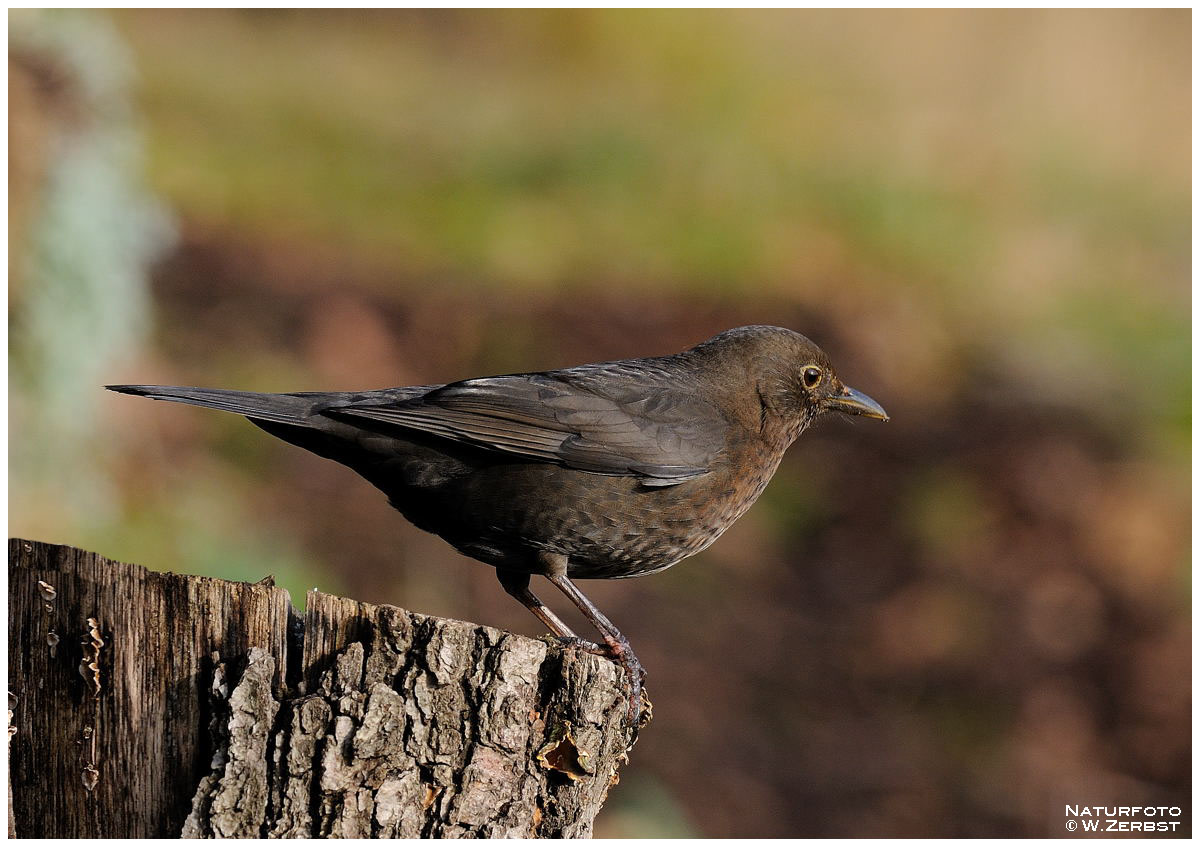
[[153, 704]]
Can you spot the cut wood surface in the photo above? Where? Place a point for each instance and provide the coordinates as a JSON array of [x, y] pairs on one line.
[[156, 704]]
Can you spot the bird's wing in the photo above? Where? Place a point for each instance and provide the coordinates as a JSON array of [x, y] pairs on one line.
[[618, 426]]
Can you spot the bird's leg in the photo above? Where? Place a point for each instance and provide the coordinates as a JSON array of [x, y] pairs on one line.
[[516, 584], [618, 645]]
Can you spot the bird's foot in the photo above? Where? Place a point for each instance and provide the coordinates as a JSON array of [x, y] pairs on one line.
[[582, 644], [622, 654]]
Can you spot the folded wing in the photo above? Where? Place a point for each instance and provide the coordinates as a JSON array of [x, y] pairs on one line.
[[664, 435]]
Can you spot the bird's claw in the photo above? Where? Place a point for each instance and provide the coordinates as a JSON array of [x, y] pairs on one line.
[[635, 675], [583, 644], [621, 654]]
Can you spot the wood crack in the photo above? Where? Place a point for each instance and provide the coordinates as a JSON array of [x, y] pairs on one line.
[[247, 718]]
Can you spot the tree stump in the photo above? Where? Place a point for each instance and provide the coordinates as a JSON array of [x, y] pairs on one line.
[[153, 704]]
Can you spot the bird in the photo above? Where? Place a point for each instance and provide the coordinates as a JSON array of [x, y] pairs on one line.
[[600, 471]]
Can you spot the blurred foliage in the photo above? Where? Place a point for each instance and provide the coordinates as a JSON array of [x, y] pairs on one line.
[[84, 230], [733, 153], [950, 625]]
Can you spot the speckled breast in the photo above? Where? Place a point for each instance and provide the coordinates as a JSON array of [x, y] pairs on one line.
[[609, 527]]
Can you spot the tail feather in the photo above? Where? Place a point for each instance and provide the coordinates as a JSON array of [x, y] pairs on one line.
[[279, 408]]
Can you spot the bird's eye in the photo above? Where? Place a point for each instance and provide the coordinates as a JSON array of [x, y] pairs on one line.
[[812, 377]]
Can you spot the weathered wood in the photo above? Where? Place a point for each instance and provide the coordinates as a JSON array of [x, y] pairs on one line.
[[153, 704], [141, 737]]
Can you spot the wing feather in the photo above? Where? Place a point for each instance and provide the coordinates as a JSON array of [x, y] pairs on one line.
[[637, 427]]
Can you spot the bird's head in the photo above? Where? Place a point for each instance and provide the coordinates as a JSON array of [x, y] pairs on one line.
[[792, 376]]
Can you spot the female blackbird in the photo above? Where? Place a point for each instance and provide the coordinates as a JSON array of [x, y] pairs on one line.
[[599, 471]]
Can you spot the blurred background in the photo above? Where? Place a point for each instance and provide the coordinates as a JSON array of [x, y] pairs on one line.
[[949, 625]]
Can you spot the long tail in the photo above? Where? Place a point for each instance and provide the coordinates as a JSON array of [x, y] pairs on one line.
[[279, 408]]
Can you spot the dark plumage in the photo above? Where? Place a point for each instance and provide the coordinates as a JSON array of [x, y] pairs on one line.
[[599, 471]]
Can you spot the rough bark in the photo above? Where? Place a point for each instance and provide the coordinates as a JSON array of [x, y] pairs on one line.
[[152, 704]]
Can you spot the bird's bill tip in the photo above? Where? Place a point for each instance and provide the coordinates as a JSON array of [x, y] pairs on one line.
[[851, 402]]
